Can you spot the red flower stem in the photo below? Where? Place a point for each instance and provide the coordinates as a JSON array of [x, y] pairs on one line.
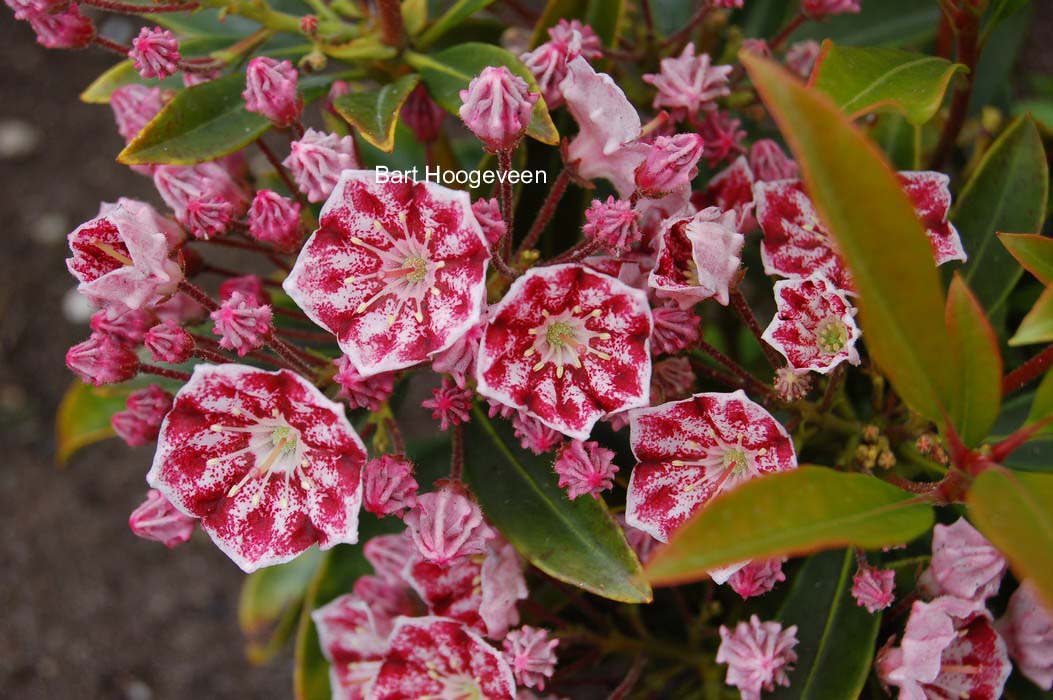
[[831, 389], [312, 336], [212, 356], [115, 47], [630, 680], [504, 164], [1028, 372], [547, 210], [457, 453], [198, 295], [967, 24], [784, 34], [130, 9], [500, 264], [164, 372], [735, 368], [716, 375], [283, 350], [397, 443], [742, 308], [254, 354], [282, 172], [580, 251], [389, 19]]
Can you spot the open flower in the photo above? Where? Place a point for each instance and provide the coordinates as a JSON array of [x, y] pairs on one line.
[[567, 345], [396, 271], [353, 638], [964, 564], [930, 194], [1027, 628], [814, 326], [689, 451], [698, 257], [689, 83], [269, 464]]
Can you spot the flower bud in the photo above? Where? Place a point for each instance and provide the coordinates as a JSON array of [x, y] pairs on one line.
[[275, 219], [488, 214], [768, 162], [317, 160], [129, 327], [140, 422], [613, 224], [249, 285], [821, 9], [422, 115], [388, 486], [446, 525], [362, 392], [155, 53], [66, 29], [270, 90], [169, 342], [157, 519], [133, 107], [671, 164], [496, 107], [242, 323], [102, 360]]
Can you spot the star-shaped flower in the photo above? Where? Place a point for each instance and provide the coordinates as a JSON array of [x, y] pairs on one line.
[[353, 638], [814, 326], [930, 194], [698, 257]]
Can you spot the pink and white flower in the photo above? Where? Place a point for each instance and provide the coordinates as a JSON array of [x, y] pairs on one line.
[[396, 271], [102, 359], [533, 434], [873, 588], [930, 194], [670, 165], [757, 577], [269, 464], [169, 342], [964, 564], [388, 486], [140, 421], [591, 44], [270, 90], [63, 29], [353, 640], [133, 107], [567, 345], [689, 83], [698, 257], [155, 53], [275, 219], [532, 655], [318, 160], [814, 326], [759, 656], [585, 468], [205, 197], [497, 106], [362, 392], [158, 520], [689, 451], [1027, 629], [612, 224], [129, 327], [242, 323], [769, 162], [450, 404], [548, 63], [446, 525]]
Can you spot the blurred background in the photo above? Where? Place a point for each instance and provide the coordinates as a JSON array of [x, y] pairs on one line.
[[90, 611]]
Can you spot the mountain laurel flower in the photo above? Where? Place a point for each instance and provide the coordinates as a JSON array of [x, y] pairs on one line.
[[102, 359], [27, 9], [446, 525], [169, 342], [689, 83], [206, 197], [155, 53], [757, 577], [388, 486], [496, 107], [731, 189], [317, 160], [690, 451], [353, 637], [270, 90], [129, 327], [873, 588], [672, 379], [548, 62], [242, 323], [158, 520], [450, 404], [814, 326], [133, 107], [63, 29], [388, 555], [591, 44], [585, 468], [532, 655], [422, 115], [671, 164], [488, 214], [769, 162], [251, 286], [140, 421], [362, 392], [612, 224], [675, 329], [267, 462], [964, 564], [533, 434], [801, 57], [759, 656], [1027, 628], [568, 346], [930, 194], [791, 384], [821, 9], [698, 257], [275, 219], [458, 360]]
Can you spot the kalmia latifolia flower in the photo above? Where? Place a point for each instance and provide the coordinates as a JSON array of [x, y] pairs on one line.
[[458, 360], [689, 83], [731, 189], [140, 421], [362, 392], [568, 346], [250, 286], [242, 324], [612, 224], [533, 434], [317, 160], [446, 525], [155, 53], [548, 62], [270, 90], [801, 57], [488, 214], [672, 379], [759, 656], [275, 219], [757, 577], [133, 107], [821, 9], [27, 9], [563, 32], [435, 657], [874, 588], [388, 486], [670, 165], [769, 162], [689, 451], [791, 384], [930, 194], [450, 404], [129, 327], [585, 468], [532, 655], [63, 29], [814, 326], [1027, 629], [396, 271], [496, 107], [205, 197], [723, 137], [269, 464], [422, 115], [102, 359], [353, 639], [674, 329], [964, 564], [169, 342], [158, 520], [698, 257]]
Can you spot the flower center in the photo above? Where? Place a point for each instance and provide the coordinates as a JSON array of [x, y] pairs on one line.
[[723, 465], [831, 336], [564, 338], [458, 687], [736, 460]]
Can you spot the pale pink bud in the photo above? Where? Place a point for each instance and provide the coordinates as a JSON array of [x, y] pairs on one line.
[[674, 329], [27, 9], [66, 29], [769, 163], [140, 422], [270, 90], [613, 224], [102, 359], [548, 63], [208, 216], [422, 115], [275, 219], [671, 164], [533, 434], [388, 555], [757, 577], [157, 519], [169, 342], [532, 656], [450, 404], [133, 107], [671, 378], [874, 588], [688, 83], [488, 214], [155, 53], [1027, 628], [129, 327], [497, 106], [362, 392], [723, 137], [388, 486], [801, 57], [446, 525], [249, 285], [821, 9], [585, 468], [317, 160], [759, 656], [590, 45], [964, 563], [243, 324], [205, 197]]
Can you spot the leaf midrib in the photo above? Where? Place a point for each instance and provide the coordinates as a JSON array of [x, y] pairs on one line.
[[887, 76]]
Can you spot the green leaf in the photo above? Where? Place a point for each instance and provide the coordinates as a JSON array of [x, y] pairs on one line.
[[375, 112], [757, 520], [835, 637], [84, 416], [1008, 192], [270, 603], [117, 76], [206, 122], [448, 72], [606, 18], [884, 23], [1001, 10], [555, 10], [367, 48], [1042, 404], [1015, 511], [979, 365], [414, 15], [1037, 326], [458, 13], [862, 81], [577, 541], [865, 209], [1032, 251]]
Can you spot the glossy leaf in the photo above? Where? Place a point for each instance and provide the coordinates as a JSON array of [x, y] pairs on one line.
[[1008, 192], [367, 48], [415, 15], [1042, 404], [1015, 511], [455, 15], [84, 416], [270, 603], [448, 72], [1037, 326], [375, 112], [836, 637], [554, 11], [577, 541], [979, 365], [864, 207], [1032, 251], [757, 520], [883, 23], [606, 18], [865, 80]]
